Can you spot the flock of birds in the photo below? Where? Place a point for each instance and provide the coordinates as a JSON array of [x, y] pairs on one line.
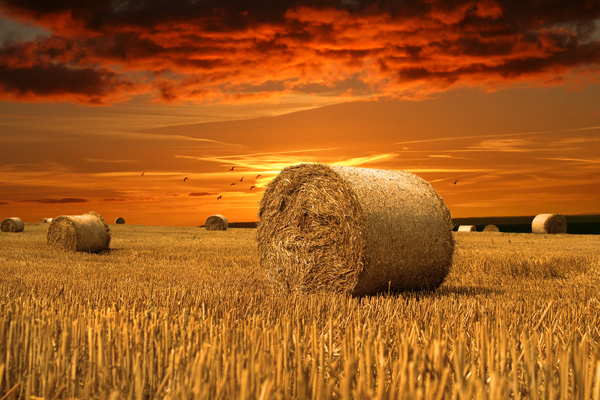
[[231, 184]]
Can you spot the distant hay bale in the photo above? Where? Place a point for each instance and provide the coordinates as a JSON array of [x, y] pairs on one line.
[[120, 220], [467, 228], [353, 230], [549, 223], [87, 232], [216, 222], [491, 228], [46, 220], [12, 224]]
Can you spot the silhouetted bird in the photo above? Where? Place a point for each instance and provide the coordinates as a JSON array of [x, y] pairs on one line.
[[242, 180], [252, 187], [185, 179], [455, 181], [232, 184], [257, 176], [219, 198], [231, 169], [143, 173]]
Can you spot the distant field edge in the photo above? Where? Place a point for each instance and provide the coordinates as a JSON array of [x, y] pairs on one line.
[[579, 224]]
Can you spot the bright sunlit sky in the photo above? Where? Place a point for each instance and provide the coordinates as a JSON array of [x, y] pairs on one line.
[[502, 97]]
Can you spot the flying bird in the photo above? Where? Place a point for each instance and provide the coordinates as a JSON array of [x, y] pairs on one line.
[[257, 176], [242, 180], [252, 187], [455, 181], [143, 173], [185, 179], [231, 169], [232, 184], [219, 198]]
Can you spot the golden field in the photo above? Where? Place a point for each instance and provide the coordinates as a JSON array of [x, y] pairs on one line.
[[171, 313]]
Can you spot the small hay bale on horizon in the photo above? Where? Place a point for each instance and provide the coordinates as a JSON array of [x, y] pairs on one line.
[[45, 220], [86, 233], [216, 222], [491, 228], [549, 223], [467, 228], [353, 230], [120, 220], [12, 224]]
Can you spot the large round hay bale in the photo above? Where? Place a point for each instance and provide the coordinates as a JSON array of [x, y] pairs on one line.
[[216, 222], [120, 220], [467, 228], [353, 230], [87, 232], [549, 223], [491, 228], [45, 220], [12, 224]]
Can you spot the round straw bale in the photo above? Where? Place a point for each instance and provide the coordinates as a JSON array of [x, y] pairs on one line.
[[549, 223], [491, 228], [12, 224], [216, 222], [467, 228], [120, 220], [87, 232], [353, 230], [45, 220]]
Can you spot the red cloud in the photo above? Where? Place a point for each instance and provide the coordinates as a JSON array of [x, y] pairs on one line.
[[238, 51]]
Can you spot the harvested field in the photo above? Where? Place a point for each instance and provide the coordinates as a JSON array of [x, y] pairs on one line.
[[183, 312]]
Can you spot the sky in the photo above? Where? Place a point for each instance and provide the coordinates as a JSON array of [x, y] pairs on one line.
[[110, 105]]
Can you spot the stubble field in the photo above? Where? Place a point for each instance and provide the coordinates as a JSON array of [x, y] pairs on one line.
[[185, 313]]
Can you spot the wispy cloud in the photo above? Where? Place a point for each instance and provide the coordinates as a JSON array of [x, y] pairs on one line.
[[66, 200], [358, 161], [201, 194], [448, 156], [511, 134], [577, 160], [504, 145], [107, 161]]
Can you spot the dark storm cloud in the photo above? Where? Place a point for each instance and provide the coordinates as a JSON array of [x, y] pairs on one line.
[[226, 50], [60, 82]]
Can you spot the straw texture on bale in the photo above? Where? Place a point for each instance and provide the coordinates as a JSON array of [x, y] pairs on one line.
[[467, 228], [549, 223], [353, 230], [120, 220], [491, 228], [13, 224], [216, 222], [87, 233]]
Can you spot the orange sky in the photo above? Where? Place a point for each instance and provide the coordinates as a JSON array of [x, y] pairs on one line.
[[499, 96]]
